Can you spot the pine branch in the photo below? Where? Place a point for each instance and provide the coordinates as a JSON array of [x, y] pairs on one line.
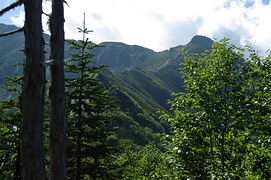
[[13, 5], [12, 32]]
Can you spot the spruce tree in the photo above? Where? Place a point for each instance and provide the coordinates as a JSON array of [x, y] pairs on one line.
[[89, 115]]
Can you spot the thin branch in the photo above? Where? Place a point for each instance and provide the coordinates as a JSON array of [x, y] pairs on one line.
[[12, 32], [13, 5], [66, 3]]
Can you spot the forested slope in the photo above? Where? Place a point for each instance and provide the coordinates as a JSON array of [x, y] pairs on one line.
[[141, 79]]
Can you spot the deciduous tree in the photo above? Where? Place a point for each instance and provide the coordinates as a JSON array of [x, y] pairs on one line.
[[221, 124]]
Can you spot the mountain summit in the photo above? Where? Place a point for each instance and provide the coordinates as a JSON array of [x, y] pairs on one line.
[[141, 79], [202, 41]]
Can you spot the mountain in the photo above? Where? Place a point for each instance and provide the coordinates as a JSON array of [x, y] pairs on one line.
[[140, 78], [122, 57], [10, 51]]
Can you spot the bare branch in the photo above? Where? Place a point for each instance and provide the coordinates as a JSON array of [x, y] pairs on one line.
[[12, 32], [13, 5], [66, 3]]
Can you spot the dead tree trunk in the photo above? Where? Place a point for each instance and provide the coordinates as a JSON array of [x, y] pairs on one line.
[[32, 151], [58, 137]]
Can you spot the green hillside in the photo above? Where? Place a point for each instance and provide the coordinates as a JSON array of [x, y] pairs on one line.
[[141, 79], [122, 57], [10, 50]]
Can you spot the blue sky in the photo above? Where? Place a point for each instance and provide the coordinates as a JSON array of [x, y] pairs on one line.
[[266, 2], [13, 13], [160, 24]]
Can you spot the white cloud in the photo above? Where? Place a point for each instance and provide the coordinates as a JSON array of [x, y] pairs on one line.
[[18, 19], [160, 24], [244, 25], [149, 23]]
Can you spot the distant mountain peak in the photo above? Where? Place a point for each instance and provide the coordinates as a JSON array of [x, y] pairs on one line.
[[5, 28], [201, 41]]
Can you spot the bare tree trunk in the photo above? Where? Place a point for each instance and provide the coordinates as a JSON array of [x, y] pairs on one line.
[[58, 137], [32, 151]]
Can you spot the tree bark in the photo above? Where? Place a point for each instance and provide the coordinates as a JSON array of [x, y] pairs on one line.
[[32, 151], [58, 139]]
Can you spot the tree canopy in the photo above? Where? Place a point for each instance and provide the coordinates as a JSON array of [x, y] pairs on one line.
[[221, 124]]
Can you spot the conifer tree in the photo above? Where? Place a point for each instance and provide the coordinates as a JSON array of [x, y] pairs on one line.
[[32, 98], [58, 136], [89, 112], [33, 91]]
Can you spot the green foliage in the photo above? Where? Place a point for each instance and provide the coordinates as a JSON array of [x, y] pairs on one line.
[[90, 113], [143, 79], [221, 124], [10, 117], [138, 121], [140, 164]]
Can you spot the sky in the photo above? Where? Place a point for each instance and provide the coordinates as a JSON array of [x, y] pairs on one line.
[[162, 24]]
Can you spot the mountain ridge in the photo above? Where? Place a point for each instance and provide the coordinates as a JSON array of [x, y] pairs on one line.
[[141, 79]]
